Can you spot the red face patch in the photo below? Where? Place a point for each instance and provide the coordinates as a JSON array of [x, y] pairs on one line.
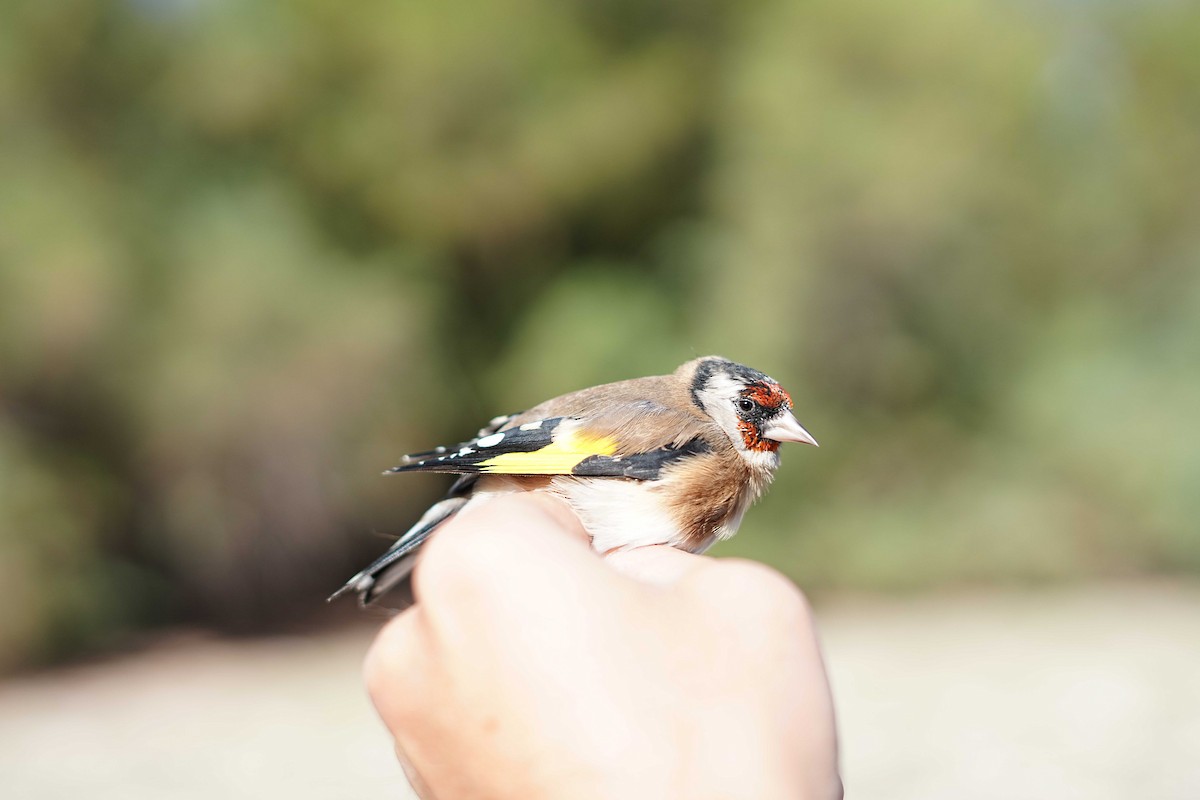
[[770, 396], [753, 438]]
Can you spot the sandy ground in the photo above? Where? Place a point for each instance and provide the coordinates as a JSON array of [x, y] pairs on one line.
[[1083, 693]]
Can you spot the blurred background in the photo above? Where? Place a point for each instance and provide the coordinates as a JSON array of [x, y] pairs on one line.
[[251, 253]]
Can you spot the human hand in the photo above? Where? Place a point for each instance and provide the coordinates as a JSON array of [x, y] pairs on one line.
[[531, 669]]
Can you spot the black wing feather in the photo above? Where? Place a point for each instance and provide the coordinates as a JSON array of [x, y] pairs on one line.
[[640, 466], [465, 459]]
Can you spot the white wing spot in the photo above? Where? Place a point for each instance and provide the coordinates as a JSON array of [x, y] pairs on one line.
[[531, 426], [439, 449], [490, 441], [466, 451]]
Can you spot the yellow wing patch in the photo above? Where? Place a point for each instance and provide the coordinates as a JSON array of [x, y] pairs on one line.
[[557, 458]]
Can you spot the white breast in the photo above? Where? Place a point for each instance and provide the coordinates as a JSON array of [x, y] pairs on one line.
[[619, 513], [625, 514]]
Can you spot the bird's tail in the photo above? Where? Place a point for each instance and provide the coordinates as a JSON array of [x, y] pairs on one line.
[[394, 568]]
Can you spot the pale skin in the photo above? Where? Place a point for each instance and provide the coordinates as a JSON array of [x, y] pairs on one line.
[[531, 668]]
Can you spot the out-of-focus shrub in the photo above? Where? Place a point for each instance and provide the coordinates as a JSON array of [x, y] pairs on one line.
[[250, 254]]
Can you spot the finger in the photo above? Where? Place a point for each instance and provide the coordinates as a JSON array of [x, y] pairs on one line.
[[404, 682], [415, 781], [657, 565], [395, 670], [518, 549], [516, 510]]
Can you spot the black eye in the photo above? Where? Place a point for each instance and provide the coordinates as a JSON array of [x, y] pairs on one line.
[[745, 405]]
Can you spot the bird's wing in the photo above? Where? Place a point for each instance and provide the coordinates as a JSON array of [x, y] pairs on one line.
[[496, 424], [612, 444]]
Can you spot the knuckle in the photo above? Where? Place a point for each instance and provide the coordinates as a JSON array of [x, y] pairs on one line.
[[390, 656], [469, 558], [766, 593], [455, 559], [376, 668]]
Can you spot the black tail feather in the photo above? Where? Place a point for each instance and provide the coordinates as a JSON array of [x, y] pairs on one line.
[[394, 568]]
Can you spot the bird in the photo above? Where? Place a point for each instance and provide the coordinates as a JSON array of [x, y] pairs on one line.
[[668, 459]]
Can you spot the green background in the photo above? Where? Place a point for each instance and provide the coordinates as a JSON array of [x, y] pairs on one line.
[[250, 253]]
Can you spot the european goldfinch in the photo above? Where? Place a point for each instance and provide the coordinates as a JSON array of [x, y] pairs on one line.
[[671, 459]]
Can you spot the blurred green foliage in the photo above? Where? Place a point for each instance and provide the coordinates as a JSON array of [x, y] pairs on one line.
[[250, 253]]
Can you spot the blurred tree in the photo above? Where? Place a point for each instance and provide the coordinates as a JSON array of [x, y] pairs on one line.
[[251, 253]]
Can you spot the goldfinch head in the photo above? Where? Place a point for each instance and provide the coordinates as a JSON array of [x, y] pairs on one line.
[[752, 408]]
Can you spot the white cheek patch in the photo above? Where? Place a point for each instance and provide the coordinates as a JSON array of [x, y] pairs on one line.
[[620, 514], [717, 398]]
